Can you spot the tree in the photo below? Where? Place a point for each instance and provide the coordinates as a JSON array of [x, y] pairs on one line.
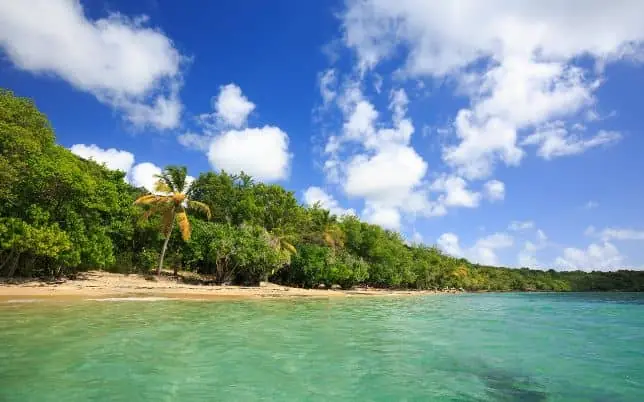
[[171, 202]]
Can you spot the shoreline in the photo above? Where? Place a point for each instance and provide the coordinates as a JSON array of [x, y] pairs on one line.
[[99, 285]]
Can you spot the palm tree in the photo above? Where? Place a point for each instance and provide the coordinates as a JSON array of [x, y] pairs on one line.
[[331, 233], [171, 202], [281, 242]]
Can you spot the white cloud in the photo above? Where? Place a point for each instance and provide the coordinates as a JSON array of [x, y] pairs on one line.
[[556, 141], [385, 216], [603, 257], [381, 168], [456, 193], [621, 234], [386, 177], [442, 36], [377, 82], [232, 108], [188, 184], [314, 195], [361, 122], [113, 159], [515, 61], [482, 143], [327, 82], [494, 190], [484, 250], [614, 234], [139, 175], [144, 175], [416, 238], [389, 182], [518, 226], [164, 112], [449, 243], [260, 152], [194, 141], [591, 204], [527, 256], [123, 63]]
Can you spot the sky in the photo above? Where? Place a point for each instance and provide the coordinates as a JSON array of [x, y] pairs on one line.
[[507, 132]]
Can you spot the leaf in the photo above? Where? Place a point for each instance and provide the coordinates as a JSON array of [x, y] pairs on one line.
[[155, 209], [166, 222], [201, 207], [162, 187], [146, 199], [289, 247], [184, 225]]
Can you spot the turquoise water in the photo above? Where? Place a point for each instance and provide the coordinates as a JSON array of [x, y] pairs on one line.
[[512, 347]]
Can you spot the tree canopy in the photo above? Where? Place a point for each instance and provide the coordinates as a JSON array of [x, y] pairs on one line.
[[60, 214]]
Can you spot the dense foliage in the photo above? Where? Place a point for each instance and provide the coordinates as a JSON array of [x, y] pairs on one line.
[[60, 214]]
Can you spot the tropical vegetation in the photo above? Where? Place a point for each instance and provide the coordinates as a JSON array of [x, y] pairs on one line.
[[60, 214]]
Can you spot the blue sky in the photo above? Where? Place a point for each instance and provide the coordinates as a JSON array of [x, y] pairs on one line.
[[508, 133]]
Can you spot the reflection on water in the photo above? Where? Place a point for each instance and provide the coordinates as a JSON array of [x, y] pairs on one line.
[[440, 348]]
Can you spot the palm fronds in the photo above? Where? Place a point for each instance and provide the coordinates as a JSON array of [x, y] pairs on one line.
[[184, 225], [167, 219], [161, 186], [200, 207], [148, 199]]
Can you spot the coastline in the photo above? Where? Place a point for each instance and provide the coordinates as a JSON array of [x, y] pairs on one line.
[[99, 285]]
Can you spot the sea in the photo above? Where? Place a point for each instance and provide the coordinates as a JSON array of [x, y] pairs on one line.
[[452, 347]]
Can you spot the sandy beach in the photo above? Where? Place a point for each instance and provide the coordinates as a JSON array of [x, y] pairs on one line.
[[105, 285]]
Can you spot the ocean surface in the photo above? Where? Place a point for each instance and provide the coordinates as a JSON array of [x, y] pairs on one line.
[[471, 347]]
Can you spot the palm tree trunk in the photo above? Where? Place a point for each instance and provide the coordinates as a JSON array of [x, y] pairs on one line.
[[165, 245]]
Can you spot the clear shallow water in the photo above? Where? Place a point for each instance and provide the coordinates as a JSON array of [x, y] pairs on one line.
[[512, 347]]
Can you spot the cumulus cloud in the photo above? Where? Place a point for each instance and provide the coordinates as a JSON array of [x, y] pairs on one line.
[[327, 82], [527, 256], [386, 216], [515, 61], [494, 190], [456, 193], [139, 175], [260, 152], [144, 175], [591, 204], [231, 106], [484, 250], [387, 176], [416, 238], [374, 161], [449, 243], [609, 234], [314, 195], [122, 62], [556, 141], [517, 226], [597, 256], [198, 142], [112, 158]]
